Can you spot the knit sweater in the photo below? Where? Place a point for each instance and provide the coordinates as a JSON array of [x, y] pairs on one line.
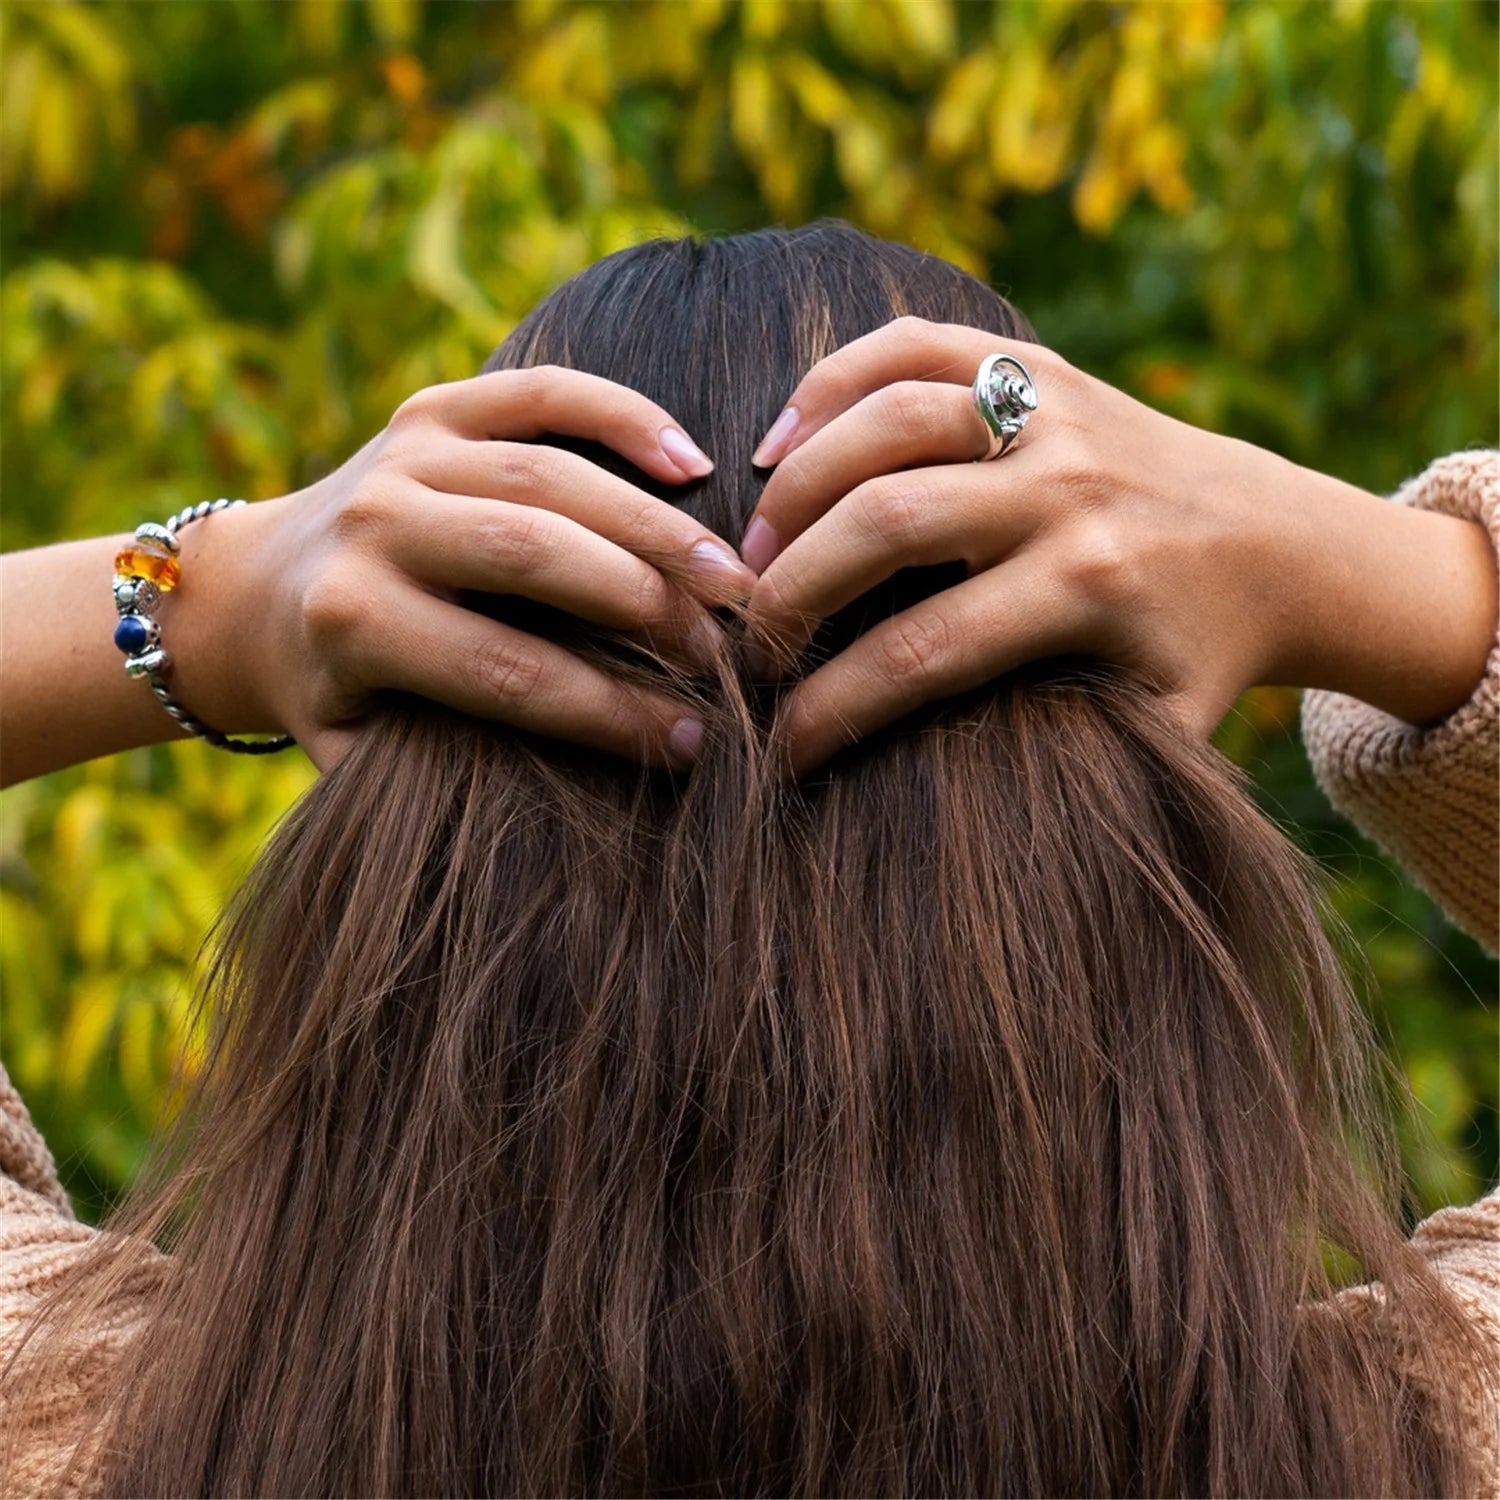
[[1427, 795]]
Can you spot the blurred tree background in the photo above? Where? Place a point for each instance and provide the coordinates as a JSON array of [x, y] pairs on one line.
[[236, 234]]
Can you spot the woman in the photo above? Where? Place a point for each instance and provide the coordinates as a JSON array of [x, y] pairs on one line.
[[978, 1108]]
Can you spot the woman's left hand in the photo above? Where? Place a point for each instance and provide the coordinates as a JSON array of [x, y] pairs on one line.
[[1207, 564]]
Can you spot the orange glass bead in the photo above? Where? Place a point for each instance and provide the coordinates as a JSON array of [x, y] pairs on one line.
[[146, 562]]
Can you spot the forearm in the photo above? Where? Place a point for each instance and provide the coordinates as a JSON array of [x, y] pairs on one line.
[[1405, 615], [64, 695]]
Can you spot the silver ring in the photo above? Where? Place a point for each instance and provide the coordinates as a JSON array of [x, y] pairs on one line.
[[1005, 396]]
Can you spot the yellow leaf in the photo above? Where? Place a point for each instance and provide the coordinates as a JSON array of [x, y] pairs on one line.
[[926, 27], [58, 117], [660, 40], [752, 104], [532, 15], [1160, 156], [823, 99], [19, 64], [434, 260], [393, 21], [85, 37], [955, 122], [1199, 25], [92, 56], [698, 135], [91, 1016], [78, 827], [1099, 196], [321, 25], [571, 62], [138, 1030], [861, 153], [760, 20], [1132, 97]]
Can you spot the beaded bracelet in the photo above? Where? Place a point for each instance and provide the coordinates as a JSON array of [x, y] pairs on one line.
[[144, 572]]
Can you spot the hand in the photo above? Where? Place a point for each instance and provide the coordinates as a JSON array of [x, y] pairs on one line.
[[358, 577], [1108, 529]]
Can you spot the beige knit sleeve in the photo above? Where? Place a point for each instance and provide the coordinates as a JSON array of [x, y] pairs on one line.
[[1431, 797], [26, 1165]]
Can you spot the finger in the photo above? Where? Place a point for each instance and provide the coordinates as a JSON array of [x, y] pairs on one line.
[[478, 666], [909, 422], [466, 542], [554, 480], [977, 514], [949, 643], [904, 349], [522, 404]]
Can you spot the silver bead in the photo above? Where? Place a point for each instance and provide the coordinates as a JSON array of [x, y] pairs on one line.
[[147, 662], [135, 595], [149, 531]]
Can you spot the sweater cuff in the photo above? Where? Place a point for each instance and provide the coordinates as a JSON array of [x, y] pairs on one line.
[[1430, 797]]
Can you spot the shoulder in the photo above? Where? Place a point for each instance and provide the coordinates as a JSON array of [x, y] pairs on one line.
[[1462, 1247], [40, 1239]]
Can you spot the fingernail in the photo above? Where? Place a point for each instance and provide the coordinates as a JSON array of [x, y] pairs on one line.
[[686, 739], [759, 545], [684, 452], [717, 559], [774, 443]]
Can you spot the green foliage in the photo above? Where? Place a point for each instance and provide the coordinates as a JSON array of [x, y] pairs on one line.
[[236, 234]]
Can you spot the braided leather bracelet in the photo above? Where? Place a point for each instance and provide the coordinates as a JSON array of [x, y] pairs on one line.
[[143, 573]]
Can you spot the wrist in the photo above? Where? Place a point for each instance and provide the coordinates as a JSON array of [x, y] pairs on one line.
[[215, 622], [1389, 604]]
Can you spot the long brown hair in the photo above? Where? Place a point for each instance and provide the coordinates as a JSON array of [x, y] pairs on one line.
[[982, 1115]]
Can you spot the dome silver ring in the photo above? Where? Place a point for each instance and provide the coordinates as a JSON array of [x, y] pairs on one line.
[[1005, 397]]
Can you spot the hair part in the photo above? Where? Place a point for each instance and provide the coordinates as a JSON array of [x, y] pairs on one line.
[[976, 1117]]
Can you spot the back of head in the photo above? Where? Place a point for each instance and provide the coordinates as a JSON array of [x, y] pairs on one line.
[[975, 1117]]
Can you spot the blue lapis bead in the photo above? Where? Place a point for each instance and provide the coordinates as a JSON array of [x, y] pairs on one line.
[[131, 634]]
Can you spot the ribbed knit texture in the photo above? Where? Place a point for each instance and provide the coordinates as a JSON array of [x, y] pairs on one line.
[[40, 1241], [1463, 1247], [1429, 796]]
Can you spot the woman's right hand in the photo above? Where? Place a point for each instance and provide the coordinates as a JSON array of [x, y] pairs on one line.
[[1204, 564], [361, 572]]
